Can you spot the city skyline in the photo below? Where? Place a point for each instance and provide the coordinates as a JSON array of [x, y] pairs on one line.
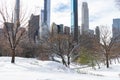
[[99, 15]]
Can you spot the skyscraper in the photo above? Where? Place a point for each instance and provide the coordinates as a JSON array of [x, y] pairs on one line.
[[47, 12], [45, 19], [74, 19], [97, 33], [42, 17], [17, 9], [85, 17], [17, 13], [116, 27], [33, 28]]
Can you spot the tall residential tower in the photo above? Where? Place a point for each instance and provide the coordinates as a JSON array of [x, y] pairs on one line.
[[47, 12], [45, 19], [85, 18], [17, 13], [116, 27], [74, 19]]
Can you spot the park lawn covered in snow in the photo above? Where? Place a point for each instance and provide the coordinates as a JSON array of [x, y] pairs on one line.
[[32, 69]]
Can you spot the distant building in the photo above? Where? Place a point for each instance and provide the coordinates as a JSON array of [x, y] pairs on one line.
[[60, 28], [57, 29], [42, 17], [17, 13], [85, 18], [74, 19], [97, 33], [8, 26], [47, 12], [91, 32], [33, 28], [116, 27], [45, 20], [2, 33], [53, 29], [67, 30]]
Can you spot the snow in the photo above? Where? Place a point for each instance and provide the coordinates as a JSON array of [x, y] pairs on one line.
[[33, 69]]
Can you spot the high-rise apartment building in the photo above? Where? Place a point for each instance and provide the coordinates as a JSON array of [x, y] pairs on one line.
[[85, 18], [17, 14], [74, 19], [41, 17], [97, 33], [33, 28], [17, 10], [67, 30], [116, 27], [45, 19], [47, 12], [60, 28]]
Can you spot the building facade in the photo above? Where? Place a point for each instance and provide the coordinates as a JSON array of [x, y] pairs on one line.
[[33, 28], [74, 19], [97, 33], [67, 30], [41, 17], [47, 12], [85, 18], [60, 28], [116, 27], [45, 20]]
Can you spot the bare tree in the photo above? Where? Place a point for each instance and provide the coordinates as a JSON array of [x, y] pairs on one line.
[[63, 46], [107, 43], [12, 28]]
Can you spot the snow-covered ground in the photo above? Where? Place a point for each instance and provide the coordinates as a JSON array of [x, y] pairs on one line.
[[32, 69]]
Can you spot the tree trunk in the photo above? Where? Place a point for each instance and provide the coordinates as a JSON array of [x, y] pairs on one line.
[[13, 56], [68, 61], [63, 60], [107, 60], [118, 59]]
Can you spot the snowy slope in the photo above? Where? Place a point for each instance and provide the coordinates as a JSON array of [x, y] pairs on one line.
[[32, 69]]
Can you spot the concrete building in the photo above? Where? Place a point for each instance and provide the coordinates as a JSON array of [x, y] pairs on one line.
[[67, 30], [41, 17], [74, 19], [33, 28], [57, 29], [116, 27], [97, 33], [17, 14], [60, 28], [53, 29], [8, 26], [91, 32], [85, 18]]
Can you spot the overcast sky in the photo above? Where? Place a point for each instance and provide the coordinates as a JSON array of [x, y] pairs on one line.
[[101, 12]]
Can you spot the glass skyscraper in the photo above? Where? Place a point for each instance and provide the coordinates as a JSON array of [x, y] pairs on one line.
[[47, 12], [74, 19], [45, 19], [116, 27]]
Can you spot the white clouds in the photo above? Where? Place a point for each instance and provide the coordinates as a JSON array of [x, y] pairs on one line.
[[58, 16]]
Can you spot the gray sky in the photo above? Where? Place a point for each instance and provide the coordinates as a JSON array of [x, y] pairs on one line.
[[101, 12]]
